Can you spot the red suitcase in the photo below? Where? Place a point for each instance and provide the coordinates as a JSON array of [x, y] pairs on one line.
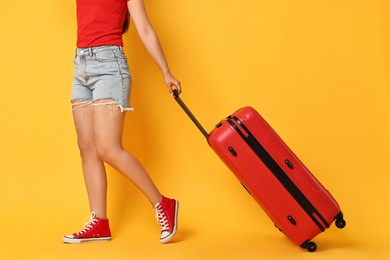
[[287, 191]]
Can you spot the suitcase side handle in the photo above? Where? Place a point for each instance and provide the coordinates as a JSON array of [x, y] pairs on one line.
[[189, 113]]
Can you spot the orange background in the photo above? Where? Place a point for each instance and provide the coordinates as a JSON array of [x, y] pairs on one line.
[[318, 71]]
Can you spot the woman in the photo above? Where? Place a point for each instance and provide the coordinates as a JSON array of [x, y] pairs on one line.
[[100, 98]]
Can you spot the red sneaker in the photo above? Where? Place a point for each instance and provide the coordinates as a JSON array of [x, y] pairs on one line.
[[96, 229], [166, 214]]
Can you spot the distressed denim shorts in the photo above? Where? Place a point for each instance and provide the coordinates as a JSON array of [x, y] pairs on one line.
[[101, 73]]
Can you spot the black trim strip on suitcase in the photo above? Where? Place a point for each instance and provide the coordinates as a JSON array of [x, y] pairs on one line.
[[278, 172]]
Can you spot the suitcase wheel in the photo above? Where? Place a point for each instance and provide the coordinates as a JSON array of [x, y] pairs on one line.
[[339, 220], [340, 223], [310, 246]]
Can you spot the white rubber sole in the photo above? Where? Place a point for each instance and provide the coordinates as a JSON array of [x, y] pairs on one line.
[[71, 240]]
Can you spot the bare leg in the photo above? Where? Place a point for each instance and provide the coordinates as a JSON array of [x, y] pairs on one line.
[[93, 168], [107, 132]]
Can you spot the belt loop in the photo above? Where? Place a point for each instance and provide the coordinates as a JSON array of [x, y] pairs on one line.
[[90, 52]]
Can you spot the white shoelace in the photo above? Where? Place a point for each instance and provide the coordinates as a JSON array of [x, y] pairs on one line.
[[88, 225], [161, 217]]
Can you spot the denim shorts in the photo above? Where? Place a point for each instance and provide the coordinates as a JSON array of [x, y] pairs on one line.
[[102, 73]]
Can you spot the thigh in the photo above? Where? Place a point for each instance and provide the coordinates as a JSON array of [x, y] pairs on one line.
[[108, 122], [83, 121]]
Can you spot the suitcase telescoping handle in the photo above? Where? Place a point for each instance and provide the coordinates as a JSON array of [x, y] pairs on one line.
[[189, 113]]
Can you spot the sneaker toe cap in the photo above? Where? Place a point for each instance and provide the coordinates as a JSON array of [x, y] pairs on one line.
[[166, 236]]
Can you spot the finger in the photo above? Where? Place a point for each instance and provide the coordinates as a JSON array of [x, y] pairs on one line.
[[170, 89], [178, 87]]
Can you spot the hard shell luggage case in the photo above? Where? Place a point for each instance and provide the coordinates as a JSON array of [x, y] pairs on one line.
[[286, 190]]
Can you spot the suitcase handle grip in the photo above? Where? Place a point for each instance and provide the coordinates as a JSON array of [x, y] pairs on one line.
[[189, 113]]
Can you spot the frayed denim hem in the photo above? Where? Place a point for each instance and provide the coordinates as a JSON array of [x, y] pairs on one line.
[[79, 104]]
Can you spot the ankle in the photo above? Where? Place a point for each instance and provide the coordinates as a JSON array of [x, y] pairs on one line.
[[99, 214], [157, 200]]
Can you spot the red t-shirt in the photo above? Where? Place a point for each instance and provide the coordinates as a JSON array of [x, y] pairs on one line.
[[100, 22]]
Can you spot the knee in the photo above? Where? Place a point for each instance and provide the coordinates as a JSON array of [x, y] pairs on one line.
[[87, 149], [103, 152], [106, 152]]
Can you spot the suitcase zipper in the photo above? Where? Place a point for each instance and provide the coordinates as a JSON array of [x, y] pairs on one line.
[[278, 172]]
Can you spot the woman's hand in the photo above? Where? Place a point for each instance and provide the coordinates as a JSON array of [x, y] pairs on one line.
[[172, 83]]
